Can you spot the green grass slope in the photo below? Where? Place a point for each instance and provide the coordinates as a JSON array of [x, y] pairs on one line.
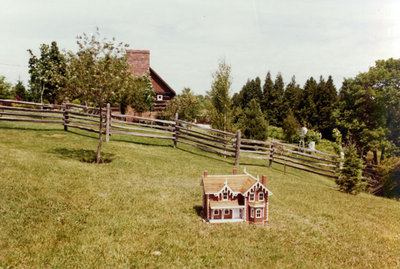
[[56, 211]]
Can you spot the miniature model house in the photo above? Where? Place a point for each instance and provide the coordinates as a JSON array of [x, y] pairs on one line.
[[235, 198]]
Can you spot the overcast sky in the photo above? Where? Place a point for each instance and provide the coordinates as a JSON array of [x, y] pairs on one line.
[[186, 38]]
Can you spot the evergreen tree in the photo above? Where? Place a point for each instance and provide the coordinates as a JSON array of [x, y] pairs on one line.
[[308, 109], [251, 90], [327, 98], [20, 91], [252, 123], [349, 180], [290, 126], [292, 98], [219, 96], [267, 89], [274, 102]]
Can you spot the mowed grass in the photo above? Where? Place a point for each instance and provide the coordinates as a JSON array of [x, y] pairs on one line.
[[57, 211]]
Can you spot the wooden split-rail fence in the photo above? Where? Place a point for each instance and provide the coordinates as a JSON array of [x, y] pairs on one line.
[[215, 141]]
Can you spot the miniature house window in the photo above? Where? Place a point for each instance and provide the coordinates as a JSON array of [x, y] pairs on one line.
[[226, 212], [216, 212], [251, 198], [159, 97], [225, 196], [252, 213], [258, 213], [260, 196]]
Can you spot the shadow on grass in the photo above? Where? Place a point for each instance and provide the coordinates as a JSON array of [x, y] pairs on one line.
[[198, 210], [30, 129], [83, 155], [206, 156]]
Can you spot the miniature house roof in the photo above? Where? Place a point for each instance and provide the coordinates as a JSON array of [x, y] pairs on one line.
[[243, 183]]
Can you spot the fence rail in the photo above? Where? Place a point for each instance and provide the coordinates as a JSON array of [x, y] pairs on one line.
[[211, 140]]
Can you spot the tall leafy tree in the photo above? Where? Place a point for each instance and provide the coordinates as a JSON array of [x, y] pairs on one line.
[[4, 88], [186, 104], [220, 99], [46, 73], [98, 71]]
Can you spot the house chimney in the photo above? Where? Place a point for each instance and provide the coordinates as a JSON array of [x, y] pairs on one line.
[[139, 61], [234, 171], [264, 180], [205, 174]]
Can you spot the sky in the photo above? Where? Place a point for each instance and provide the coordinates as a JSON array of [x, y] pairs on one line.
[[188, 38]]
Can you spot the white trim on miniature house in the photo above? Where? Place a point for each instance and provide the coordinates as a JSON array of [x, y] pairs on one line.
[[262, 198], [259, 210], [257, 185], [251, 212], [252, 194]]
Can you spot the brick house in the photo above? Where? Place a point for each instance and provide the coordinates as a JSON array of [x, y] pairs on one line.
[[140, 63], [235, 198]]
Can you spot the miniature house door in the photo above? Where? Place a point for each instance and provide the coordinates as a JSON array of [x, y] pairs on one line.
[[236, 213]]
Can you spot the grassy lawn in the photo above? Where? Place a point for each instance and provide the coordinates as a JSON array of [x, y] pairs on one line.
[[56, 211]]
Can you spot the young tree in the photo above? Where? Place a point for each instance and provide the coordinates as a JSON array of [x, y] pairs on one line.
[[99, 72], [20, 91], [290, 126], [4, 88], [350, 176], [187, 105], [220, 99], [46, 73], [252, 123]]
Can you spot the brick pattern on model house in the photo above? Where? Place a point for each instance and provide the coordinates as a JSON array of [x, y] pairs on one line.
[[235, 198], [140, 65]]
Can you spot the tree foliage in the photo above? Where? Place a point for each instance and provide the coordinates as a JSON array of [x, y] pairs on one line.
[[252, 122], [220, 99], [349, 180], [186, 104], [290, 126], [99, 73], [46, 73], [5, 88]]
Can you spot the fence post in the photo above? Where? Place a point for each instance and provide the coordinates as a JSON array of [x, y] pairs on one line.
[[271, 155], [108, 122], [65, 117], [238, 143], [176, 130]]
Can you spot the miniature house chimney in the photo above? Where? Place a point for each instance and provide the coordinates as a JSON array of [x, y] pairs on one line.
[[264, 180], [234, 171], [205, 174], [139, 61]]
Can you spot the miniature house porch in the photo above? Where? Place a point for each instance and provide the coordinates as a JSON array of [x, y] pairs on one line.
[[235, 198]]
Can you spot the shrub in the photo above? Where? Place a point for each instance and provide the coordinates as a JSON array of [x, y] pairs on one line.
[[389, 171]]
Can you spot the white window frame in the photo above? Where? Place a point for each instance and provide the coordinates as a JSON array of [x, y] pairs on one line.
[[259, 213], [223, 196], [252, 212], [261, 196], [228, 212], [251, 196], [215, 210], [159, 97]]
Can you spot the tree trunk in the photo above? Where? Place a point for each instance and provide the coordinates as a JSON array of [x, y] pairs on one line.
[[100, 137], [375, 157]]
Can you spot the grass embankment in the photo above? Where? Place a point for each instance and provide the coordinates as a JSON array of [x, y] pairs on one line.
[[56, 211]]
